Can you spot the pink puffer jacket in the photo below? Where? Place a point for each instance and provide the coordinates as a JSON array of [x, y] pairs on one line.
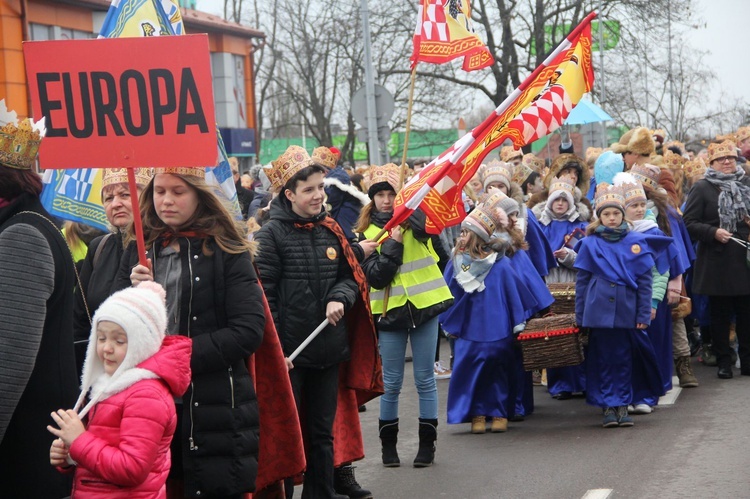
[[124, 452]]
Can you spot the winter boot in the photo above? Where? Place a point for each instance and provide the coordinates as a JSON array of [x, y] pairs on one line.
[[388, 438], [685, 372], [708, 357], [427, 437], [345, 484]]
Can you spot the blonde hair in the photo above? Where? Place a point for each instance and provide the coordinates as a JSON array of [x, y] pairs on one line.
[[363, 222], [211, 217]]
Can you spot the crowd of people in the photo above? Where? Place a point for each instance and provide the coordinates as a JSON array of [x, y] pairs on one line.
[[128, 375]]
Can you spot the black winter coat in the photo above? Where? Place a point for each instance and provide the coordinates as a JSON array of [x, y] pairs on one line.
[[381, 268], [720, 269], [96, 286], [221, 310], [46, 350], [302, 268]]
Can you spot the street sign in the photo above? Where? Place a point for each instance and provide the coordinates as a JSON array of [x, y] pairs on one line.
[[384, 106]]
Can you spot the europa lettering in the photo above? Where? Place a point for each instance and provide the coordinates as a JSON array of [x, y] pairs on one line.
[[143, 99]]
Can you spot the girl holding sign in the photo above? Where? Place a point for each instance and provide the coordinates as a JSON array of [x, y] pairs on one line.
[[202, 259]]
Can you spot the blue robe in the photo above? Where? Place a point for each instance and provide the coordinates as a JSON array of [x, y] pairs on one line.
[[484, 378], [539, 248], [524, 268], [571, 378], [613, 294]]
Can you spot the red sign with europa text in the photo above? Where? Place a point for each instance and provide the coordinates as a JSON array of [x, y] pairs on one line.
[[123, 102]]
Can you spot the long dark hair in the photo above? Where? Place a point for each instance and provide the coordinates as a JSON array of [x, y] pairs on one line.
[[211, 217], [14, 182]]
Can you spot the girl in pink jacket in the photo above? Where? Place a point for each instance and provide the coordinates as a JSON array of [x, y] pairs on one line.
[[118, 443]]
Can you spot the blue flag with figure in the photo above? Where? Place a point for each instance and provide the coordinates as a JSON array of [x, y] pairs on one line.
[[75, 195]]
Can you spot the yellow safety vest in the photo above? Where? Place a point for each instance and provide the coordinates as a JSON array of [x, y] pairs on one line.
[[418, 280]]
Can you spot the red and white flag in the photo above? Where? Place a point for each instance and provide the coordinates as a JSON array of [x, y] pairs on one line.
[[445, 32], [535, 109]]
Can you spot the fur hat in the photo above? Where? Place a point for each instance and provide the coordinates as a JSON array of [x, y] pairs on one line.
[[499, 200], [607, 166], [637, 141], [378, 178], [495, 171], [484, 221], [327, 157], [608, 196], [141, 312], [632, 190], [561, 188], [509, 153], [648, 175], [721, 150], [563, 162]]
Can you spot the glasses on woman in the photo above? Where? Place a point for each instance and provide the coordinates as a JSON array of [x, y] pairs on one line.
[[726, 159]]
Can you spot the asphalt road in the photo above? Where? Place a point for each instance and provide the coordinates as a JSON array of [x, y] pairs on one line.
[[698, 447]]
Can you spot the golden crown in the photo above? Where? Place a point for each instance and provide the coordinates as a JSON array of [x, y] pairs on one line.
[[521, 173], [673, 161], [534, 162], [593, 153], [493, 169], [508, 153], [742, 134], [562, 184], [721, 150], [389, 173], [481, 218], [286, 166], [190, 171], [695, 168], [648, 175], [325, 156], [19, 141], [114, 176]]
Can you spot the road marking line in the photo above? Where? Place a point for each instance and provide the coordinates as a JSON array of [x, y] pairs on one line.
[[670, 397], [597, 494]]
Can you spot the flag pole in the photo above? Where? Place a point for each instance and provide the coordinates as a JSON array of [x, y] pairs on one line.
[[408, 126], [137, 218]]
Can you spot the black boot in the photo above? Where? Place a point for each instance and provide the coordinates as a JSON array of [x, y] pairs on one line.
[[427, 437], [345, 484], [388, 438]]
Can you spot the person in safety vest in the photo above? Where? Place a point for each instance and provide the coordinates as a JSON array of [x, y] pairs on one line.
[[407, 294]]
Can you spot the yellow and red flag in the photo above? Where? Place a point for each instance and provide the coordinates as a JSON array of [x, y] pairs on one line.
[[535, 109], [445, 32]]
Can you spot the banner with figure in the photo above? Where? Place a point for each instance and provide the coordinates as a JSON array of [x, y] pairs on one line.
[[535, 109]]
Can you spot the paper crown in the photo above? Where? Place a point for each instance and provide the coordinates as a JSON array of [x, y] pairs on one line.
[[562, 184], [695, 168], [633, 193], [521, 173], [484, 221], [675, 143], [508, 153], [325, 156], [592, 154], [190, 171], [742, 134], [283, 168], [608, 196], [19, 141], [721, 150], [499, 200], [534, 162], [495, 171], [114, 176], [389, 173], [659, 135], [648, 175], [672, 161]]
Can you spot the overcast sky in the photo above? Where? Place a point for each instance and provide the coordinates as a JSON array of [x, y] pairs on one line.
[[724, 32]]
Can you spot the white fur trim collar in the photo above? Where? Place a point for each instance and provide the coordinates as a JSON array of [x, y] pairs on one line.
[[349, 189]]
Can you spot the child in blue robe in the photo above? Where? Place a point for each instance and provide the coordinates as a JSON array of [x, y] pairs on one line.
[[613, 300], [559, 217], [491, 304]]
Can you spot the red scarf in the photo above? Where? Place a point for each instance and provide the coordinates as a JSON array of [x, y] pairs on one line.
[[169, 237]]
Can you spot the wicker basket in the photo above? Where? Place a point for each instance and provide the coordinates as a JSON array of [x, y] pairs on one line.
[[552, 341], [565, 297]]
